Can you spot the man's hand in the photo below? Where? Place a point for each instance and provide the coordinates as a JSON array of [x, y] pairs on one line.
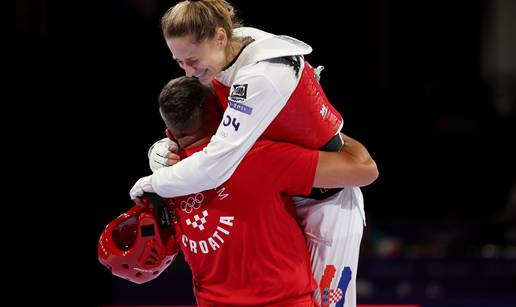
[[142, 185], [163, 153]]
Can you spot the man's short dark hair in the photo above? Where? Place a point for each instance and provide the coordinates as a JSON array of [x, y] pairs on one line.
[[181, 102]]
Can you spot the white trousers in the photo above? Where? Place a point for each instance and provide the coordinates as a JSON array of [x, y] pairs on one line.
[[333, 228]]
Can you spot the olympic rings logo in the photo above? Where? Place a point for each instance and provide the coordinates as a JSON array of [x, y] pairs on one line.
[[193, 202]]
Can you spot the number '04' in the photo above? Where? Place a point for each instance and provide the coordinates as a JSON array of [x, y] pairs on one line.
[[231, 121]]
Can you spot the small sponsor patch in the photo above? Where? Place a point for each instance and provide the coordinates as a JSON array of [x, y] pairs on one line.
[[240, 107], [239, 92]]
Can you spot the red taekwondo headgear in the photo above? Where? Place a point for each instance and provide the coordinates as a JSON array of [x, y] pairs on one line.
[[139, 244]]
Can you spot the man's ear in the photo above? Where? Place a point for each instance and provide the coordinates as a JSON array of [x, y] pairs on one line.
[[170, 135]]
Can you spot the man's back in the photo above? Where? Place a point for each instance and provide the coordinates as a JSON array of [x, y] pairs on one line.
[[242, 240]]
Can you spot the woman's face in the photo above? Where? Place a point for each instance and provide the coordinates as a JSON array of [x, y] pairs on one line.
[[204, 59]]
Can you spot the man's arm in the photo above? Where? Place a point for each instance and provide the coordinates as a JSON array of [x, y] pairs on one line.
[[352, 166]]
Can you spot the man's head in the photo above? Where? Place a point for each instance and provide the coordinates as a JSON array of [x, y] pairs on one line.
[[190, 111]]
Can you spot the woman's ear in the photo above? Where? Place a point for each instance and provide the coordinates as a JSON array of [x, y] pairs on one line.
[[221, 36]]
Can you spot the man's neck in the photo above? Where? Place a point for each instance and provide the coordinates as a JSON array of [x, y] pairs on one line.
[[189, 142]]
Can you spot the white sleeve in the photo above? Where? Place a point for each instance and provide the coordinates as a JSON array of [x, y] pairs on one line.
[[257, 95]]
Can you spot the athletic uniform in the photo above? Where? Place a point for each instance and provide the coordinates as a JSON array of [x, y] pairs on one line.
[[242, 240], [272, 93]]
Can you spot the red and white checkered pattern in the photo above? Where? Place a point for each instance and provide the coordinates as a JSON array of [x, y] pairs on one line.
[[335, 295], [198, 221]]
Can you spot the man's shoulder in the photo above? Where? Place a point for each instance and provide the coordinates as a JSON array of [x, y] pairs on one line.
[[262, 144], [274, 148]]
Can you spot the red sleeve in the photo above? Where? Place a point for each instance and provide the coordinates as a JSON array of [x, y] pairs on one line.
[[292, 167]]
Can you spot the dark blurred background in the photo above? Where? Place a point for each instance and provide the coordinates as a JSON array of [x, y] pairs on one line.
[[428, 86]]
